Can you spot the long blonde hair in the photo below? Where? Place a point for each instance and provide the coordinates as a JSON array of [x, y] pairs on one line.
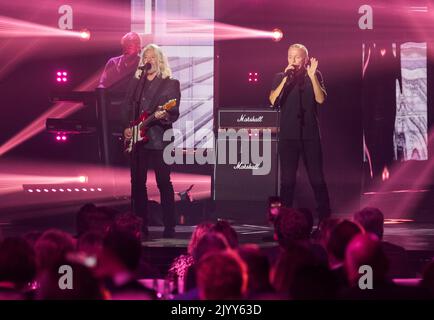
[[163, 68]]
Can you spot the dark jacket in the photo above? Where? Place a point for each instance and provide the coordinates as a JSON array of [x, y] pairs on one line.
[[155, 93]]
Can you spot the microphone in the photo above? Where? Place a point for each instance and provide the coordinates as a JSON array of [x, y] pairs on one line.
[[291, 72], [145, 67]]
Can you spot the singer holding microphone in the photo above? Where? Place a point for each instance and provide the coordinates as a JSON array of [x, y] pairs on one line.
[[297, 92], [151, 88]]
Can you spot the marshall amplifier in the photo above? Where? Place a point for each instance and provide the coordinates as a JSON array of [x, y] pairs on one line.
[[248, 118], [247, 164]]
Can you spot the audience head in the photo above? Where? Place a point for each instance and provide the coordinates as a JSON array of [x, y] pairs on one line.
[[92, 218], [258, 268], [290, 226], [51, 248], [84, 285], [200, 230], [365, 249], [226, 230], [371, 219], [128, 222], [17, 262], [315, 282], [289, 262], [340, 237], [124, 248], [90, 243], [325, 228], [221, 276], [209, 242], [428, 278]]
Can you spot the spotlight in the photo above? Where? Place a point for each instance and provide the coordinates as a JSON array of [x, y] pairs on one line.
[[64, 138], [253, 77], [61, 76], [30, 190], [61, 190], [84, 189], [84, 35], [58, 138], [277, 34], [82, 179], [38, 190]]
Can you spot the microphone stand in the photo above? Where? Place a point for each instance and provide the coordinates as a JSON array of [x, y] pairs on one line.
[[136, 112]]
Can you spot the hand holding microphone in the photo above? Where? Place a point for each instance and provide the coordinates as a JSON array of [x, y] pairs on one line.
[[290, 71], [145, 67]]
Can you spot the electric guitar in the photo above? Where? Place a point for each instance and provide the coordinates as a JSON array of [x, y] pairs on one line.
[[140, 126]]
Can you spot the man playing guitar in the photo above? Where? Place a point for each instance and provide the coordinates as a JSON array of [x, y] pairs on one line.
[[157, 89]]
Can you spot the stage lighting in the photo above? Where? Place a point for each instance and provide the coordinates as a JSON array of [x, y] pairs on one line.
[[61, 137], [61, 76], [82, 179], [84, 35], [253, 77], [277, 34]]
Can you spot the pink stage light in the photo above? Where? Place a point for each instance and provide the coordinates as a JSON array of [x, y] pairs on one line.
[[58, 138], [277, 34], [61, 76], [64, 138], [253, 77], [85, 35], [82, 179], [14, 28]]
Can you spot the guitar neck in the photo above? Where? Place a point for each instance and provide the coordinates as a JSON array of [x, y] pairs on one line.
[[148, 120]]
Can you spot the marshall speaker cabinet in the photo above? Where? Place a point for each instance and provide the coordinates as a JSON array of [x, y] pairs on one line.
[[246, 166]]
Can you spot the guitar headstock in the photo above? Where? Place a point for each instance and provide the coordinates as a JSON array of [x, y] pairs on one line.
[[169, 105]]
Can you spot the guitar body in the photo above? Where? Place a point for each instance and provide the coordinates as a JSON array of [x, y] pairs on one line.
[[140, 126], [141, 130], [138, 133]]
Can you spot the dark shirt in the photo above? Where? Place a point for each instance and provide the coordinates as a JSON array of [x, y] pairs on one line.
[[118, 71], [155, 93], [299, 121]]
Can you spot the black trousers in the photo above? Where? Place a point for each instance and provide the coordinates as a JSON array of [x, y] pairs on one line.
[[139, 169], [290, 151]]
